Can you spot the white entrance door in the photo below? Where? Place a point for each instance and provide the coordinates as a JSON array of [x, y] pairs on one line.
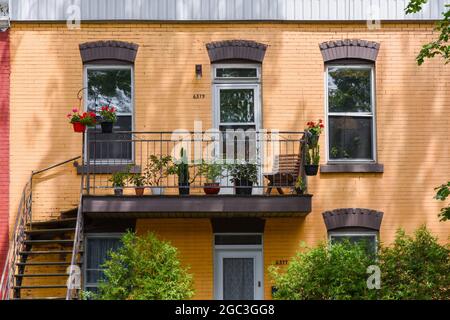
[[238, 275]]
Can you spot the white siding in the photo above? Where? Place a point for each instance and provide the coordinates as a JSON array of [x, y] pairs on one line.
[[229, 10]]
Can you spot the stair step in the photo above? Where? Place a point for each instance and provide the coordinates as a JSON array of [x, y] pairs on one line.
[[30, 253], [51, 231], [52, 286], [55, 222], [37, 275], [46, 263], [57, 241], [41, 298]]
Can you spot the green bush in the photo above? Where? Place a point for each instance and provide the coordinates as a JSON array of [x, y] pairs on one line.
[[145, 268], [415, 267], [325, 273]]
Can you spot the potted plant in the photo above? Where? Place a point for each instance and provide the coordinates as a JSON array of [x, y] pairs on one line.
[[212, 172], [81, 121], [118, 182], [181, 169], [300, 186], [138, 180], [313, 148], [108, 118], [157, 169], [244, 176]]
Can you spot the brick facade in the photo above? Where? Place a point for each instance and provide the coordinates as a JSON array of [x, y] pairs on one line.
[[4, 144]]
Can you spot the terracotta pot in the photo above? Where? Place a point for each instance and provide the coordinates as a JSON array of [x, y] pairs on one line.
[[211, 188], [311, 169], [78, 127], [139, 191], [107, 127]]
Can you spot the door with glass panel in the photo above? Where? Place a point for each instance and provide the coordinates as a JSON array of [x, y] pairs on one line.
[[110, 86], [237, 112], [239, 275]]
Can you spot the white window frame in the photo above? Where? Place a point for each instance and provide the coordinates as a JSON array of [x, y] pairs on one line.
[[216, 66], [237, 248], [87, 237], [350, 234], [132, 114], [351, 114]]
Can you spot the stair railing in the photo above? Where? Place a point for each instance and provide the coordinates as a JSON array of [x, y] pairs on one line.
[[17, 242]]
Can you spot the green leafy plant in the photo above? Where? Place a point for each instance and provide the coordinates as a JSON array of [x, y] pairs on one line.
[[211, 171], [157, 169], [300, 185], [85, 118], [137, 179], [313, 131], [415, 267], [440, 46], [118, 179], [181, 169], [108, 114], [144, 268], [336, 272], [442, 194], [243, 172]]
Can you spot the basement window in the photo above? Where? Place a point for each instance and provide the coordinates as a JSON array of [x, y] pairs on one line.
[[97, 250], [368, 239]]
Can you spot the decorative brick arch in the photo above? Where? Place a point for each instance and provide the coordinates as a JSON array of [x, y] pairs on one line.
[[236, 50], [349, 49], [108, 51], [352, 218]]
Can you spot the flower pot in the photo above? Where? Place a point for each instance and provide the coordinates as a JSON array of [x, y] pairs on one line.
[[78, 127], [298, 191], [243, 187], [107, 127], [311, 169], [157, 191], [211, 188], [183, 189], [139, 191], [118, 191]]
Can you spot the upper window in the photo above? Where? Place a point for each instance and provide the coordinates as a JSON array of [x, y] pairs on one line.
[[110, 86], [350, 113]]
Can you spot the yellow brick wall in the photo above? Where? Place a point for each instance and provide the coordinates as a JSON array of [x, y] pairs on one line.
[[412, 105]]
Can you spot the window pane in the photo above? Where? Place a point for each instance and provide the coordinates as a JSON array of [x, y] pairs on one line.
[[238, 279], [236, 73], [237, 105], [119, 148], [350, 138], [109, 87], [369, 242], [349, 89]]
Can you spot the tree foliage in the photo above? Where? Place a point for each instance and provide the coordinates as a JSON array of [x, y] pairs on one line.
[[442, 194], [145, 268], [440, 46], [414, 267]]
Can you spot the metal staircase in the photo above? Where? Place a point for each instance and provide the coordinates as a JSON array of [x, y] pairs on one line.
[[42, 255]]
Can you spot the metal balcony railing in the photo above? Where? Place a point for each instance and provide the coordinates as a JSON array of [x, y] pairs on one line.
[[180, 162]]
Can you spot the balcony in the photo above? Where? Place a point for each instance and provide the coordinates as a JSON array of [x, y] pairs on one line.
[[194, 174]]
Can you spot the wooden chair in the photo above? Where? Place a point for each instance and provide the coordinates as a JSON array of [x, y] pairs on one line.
[[287, 168]]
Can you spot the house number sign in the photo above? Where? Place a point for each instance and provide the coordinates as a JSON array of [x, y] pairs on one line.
[[281, 262], [199, 96]]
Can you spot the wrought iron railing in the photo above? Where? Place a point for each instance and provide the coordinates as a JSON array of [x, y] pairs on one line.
[[24, 218], [273, 159]]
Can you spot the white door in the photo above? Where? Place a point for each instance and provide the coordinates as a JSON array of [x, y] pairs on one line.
[[238, 275], [237, 106]]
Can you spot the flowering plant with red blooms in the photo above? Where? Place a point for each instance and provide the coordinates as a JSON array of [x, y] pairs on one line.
[[85, 118], [315, 130], [108, 114]]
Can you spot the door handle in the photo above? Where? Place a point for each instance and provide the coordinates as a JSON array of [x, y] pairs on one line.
[[259, 284]]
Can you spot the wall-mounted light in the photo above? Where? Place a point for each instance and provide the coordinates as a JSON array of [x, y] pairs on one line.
[[198, 71]]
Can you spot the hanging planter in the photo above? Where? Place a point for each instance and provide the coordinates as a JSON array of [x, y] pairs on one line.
[[81, 121], [311, 169], [109, 117]]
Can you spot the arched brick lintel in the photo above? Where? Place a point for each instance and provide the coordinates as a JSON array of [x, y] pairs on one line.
[[98, 51], [236, 50], [349, 49], [352, 217]]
